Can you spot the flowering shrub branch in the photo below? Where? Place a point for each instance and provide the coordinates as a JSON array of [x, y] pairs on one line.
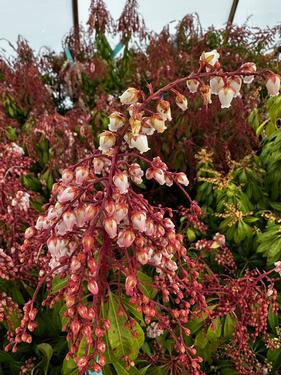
[[102, 239]]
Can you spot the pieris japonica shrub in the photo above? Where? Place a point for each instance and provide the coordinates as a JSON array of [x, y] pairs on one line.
[[118, 262]]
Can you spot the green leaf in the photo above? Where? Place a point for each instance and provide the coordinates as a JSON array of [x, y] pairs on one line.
[[121, 370], [229, 325], [143, 371], [121, 340], [201, 340], [272, 319], [47, 351], [11, 133], [145, 285], [58, 284], [69, 367], [214, 330]]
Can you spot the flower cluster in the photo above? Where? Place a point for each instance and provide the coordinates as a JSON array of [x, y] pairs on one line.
[[97, 233]]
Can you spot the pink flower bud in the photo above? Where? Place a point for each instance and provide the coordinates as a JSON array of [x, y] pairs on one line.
[[40, 222], [91, 211], [273, 84], [235, 83], [110, 226], [82, 363], [130, 96], [29, 232], [277, 267], [139, 220], [88, 242], [168, 180], [135, 124], [168, 223], [248, 68], [67, 176], [101, 347], [210, 58], [182, 179], [181, 102], [130, 284], [107, 140], [116, 121], [75, 327], [69, 300], [158, 123], [109, 206], [80, 216], [142, 257], [206, 94], [120, 180], [98, 164], [159, 176], [164, 109], [81, 174], [125, 238], [140, 143], [92, 264], [83, 311], [150, 227], [93, 286], [225, 96], [192, 85], [69, 220], [121, 212], [67, 194], [216, 83], [75, 265]]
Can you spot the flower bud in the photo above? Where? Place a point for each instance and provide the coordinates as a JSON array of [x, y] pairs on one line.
[[88, 242], [209, 58], [140, 143], [159, 176], [135, 123], [192, 85], [93, 286], [81, 174], [164, 109], [110, 226], [83, 311], [116, 121], [182, 179], [130, 96], [121, 212], [109, 207], [69, 219], [29, 232], [158, 123], [75, 327], [91, 211], [248, 68], [107, 140], [216, 83], [273, 84], [138, 220], [67, 176], [142, 257], [206, 94], [126, 238], [98, 164], [67, 194], [235, 83], [181, 102], [120, 180], [130, 284], [225, 96]]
